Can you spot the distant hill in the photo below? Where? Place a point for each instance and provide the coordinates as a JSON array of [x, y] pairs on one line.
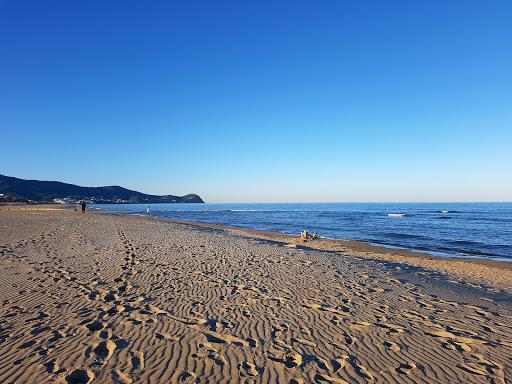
[[14, 189]]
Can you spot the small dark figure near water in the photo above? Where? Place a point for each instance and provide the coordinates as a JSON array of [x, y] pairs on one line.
[[83, 206]]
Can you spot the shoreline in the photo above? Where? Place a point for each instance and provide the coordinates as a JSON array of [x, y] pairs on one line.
[[321, 243], [327, 244], [491, 272]]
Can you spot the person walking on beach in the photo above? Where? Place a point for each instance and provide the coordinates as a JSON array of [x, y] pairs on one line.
[[83, 207], [148, 211]]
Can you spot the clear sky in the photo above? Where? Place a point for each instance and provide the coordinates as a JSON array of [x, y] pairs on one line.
[[261, 100]]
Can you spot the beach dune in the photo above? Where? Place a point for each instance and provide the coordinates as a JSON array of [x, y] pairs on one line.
[[116, 299]]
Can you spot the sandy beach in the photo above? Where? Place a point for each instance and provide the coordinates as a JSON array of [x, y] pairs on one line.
[[121, 299]]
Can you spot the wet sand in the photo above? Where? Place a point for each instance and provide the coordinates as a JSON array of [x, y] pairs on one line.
[[120, 299]]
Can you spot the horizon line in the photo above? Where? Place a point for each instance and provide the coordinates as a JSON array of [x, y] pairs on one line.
[[359, 202]]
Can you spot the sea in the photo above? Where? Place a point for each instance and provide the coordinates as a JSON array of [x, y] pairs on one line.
[[465, 230]]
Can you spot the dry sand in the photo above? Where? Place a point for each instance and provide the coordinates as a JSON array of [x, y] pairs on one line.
[[118, 299]]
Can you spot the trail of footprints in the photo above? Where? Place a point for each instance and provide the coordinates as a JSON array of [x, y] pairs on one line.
[[105, 344], [117, 301]]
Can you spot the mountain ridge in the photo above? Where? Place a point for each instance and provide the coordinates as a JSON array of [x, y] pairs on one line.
[[15, 189]]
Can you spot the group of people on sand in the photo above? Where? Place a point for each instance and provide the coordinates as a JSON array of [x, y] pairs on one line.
[[305, 236]]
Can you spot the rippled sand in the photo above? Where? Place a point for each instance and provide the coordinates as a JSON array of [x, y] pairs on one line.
[[113, 299]]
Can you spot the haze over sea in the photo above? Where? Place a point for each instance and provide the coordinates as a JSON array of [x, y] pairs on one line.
[[467, 230]]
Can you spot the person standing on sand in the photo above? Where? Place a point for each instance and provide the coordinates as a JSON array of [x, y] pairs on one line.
[[148, 211], [83, 207]]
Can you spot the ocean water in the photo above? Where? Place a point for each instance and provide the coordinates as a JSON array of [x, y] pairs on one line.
[[482, 230]]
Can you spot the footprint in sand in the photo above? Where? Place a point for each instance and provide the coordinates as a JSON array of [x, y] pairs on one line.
[[340, 362], [80, 376], [116, 309], [406, 368], [187, 377], [104, 350], [323, 363], [27, 344], [52, 366], [489, 329], [215, 337], [292, 359], [106, 333], [392, 346], [111, 296], [363, 371], [462, 347], [95, 326], [349, 339], [252, 342], [125, 287], [121, 377], [218, 359], [137, 361], [248, 368], [155, 310]]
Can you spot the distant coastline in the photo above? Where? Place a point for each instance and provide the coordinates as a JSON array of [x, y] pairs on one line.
[[13, 189]]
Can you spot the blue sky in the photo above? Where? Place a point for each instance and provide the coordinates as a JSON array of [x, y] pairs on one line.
[[261, 100]]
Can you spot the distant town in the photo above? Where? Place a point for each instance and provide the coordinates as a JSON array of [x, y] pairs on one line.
[[66, 200]]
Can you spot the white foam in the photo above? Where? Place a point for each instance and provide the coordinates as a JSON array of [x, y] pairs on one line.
[[396, 214]]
